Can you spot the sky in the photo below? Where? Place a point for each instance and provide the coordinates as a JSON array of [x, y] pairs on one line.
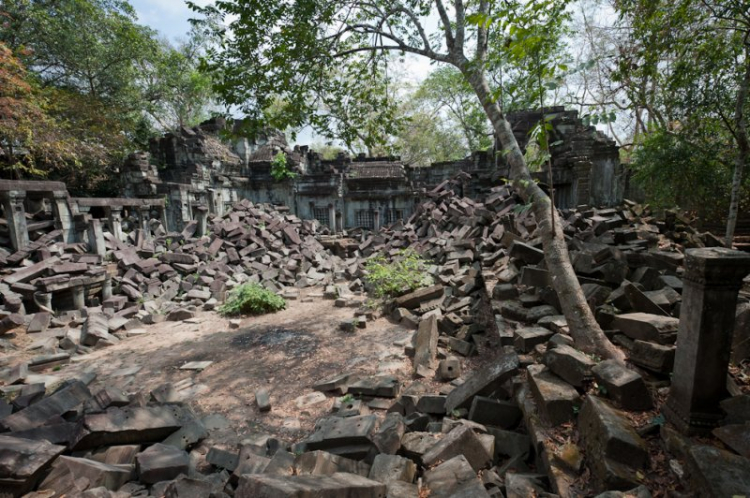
[[170, 19]]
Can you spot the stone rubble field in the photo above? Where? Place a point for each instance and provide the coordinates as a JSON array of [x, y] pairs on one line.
[[488, 395]]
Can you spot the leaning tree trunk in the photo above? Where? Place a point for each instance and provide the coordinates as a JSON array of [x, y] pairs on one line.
[[743, 151], [584, 329]]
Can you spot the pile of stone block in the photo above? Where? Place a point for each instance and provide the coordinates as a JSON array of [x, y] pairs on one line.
[[169, 276]]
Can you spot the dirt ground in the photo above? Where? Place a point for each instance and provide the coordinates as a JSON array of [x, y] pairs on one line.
[[285, 352]]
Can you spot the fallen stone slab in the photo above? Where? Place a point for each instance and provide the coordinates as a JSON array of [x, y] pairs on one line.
[[715, 473], [494, 412], [736, 437], [569, 364], [615, 451], [98, 474], [425, 344], [454, 477], [388, 436], [339, 485], [483, 382], [50, 408], [557, 400], [324, 463], [419, 296], [126, 425], [415, 444], [23, 462], [623, 386], [348, 436], [388, 468], [161, 462], [460, 441], [648, 327], [655, 357]]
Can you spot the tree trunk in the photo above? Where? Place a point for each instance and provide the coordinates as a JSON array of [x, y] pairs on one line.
[[743, 151], [584, 329]]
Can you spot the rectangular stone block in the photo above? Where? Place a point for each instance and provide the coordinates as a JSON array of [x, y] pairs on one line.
[[339, 485], [126, 426], [483, 382]]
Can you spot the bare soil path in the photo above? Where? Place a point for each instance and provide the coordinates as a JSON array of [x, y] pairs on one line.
[[285, 352]]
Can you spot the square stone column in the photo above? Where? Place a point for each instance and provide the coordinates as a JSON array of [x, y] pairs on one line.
[[145, 215], [713, 277], [114, 214], [332, 218], [164, 219], [96, 237], [63, 216], [15, 214], [201, 215], [376, 219]]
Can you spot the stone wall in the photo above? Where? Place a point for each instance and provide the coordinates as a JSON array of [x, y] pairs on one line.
[[210, 167]]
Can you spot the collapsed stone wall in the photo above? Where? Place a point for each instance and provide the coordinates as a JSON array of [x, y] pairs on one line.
[[211, 166]]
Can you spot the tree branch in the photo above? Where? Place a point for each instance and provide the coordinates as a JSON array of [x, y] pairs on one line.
[[449, 39]]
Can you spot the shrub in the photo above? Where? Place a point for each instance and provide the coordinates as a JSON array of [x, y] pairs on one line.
[[251, 299], [280, 169], [406, 272]]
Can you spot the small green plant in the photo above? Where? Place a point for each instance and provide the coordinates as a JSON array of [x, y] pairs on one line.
[[347, 399], [406, 272], [169, 241], [280, 169], [251, 299]]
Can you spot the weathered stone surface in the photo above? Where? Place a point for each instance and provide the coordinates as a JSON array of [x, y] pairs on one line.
[[623, 386], [415, 444], [460, 441], [425, 344], [452, 478], [388, 436], [648, 327], [339, 485], [556, 399], [497, 413], [348, 436], [98, 474], [419, 296], [613, 447], [263, 399], [449, 368], [483, 382], [324, 463], [387, 468], [715, 473], [161, 462], [126, 425], [23, 462], [655, 357], [48, 409], [569, 364], [736, 437], [527, 337]]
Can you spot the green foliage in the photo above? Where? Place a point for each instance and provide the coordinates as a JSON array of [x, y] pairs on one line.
[[405, 272], [251, 299], [674, 171], [447, 94], [279, 169]]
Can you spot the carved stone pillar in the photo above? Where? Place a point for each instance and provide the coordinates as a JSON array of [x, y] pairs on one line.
[[96, 238], [15, 214], [332, 218], [63, 215], [114, 214], [201, 216], [713, 277]]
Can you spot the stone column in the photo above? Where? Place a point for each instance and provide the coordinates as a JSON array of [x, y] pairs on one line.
[[376, 219], [96, 238], [63, 216], [107, 288], [332, 218], [15, 214], [163, 217], [114, 214], [145, 215], [713, 277], [79, 296], [201, 215]]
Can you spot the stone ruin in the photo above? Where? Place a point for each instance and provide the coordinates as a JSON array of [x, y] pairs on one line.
[[198, 168], [84, 274]]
